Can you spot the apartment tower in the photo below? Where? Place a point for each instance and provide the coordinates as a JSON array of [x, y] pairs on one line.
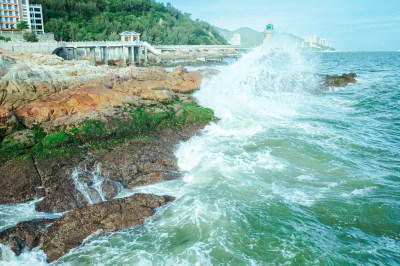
[[13, 12]]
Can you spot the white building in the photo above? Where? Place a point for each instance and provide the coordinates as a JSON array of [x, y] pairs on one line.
[[12, 12], [314, 41], [236, 39]]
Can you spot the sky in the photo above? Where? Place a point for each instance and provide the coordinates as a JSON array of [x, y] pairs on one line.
[[348, 25]]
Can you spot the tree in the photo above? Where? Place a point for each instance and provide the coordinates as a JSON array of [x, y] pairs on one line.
[[23, 25], [30, 37], [114, 36]]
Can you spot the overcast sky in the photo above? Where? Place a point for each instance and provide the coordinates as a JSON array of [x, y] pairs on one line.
[[349, 25]]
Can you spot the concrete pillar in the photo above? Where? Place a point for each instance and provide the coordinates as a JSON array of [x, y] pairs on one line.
[[93, 55], [123, 56], [105, 55], [130, 55], [139, 54], [75, 51], [87, 51], [145, 55], [158, 59]]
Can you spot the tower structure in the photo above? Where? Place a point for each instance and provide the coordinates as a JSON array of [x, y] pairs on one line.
[[269, 30]]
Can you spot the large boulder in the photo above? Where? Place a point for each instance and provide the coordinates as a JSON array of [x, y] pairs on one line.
[[25, 235], [72, 228]]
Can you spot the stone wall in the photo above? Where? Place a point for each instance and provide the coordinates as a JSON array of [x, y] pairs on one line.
[[16, 36], [38, 47]]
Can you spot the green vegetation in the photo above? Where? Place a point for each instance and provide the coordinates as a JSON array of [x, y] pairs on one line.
[[30, 37], [77, 20], [143, 124], [4, 39], [23, 25]]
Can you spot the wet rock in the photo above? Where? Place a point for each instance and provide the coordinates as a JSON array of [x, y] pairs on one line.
[[110, 189], [152, 178], [72, 228], [126, 163], [340, 81], [19, 181], [25, 235], [63, 197]]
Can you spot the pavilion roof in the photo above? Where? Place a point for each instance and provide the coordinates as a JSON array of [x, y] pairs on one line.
[[129, 33]]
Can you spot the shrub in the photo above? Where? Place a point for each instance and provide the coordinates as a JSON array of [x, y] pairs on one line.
[[30, 37]]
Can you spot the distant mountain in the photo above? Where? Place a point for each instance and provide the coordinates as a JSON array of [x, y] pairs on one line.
[[248, 36]]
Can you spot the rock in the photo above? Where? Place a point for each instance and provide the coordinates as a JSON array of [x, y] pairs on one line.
[[63, 197], [5, 64], [25, 235], [130, 163], [19, 181], [8, 122], [340, 81], [110, 189], [22, 139], [148, 73], [179, 71], [152, 178], [72, 228], [161, 96], [70, 102]]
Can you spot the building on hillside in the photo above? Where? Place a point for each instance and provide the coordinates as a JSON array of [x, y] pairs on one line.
[[12, 12], [128, 36], [236, 39], [269, 30], [314, 41]]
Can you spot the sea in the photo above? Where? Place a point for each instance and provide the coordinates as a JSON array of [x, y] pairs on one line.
[[290, 174]]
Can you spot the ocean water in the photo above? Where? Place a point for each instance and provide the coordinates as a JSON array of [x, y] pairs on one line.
[[286, 176]]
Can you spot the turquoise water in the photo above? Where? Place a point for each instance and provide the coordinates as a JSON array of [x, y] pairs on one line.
[[285, 177]]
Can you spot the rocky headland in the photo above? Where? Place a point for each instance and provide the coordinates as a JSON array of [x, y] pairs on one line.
[[77, 134]]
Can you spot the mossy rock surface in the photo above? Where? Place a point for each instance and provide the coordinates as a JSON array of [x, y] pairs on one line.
[[22, 139], [57, 140]]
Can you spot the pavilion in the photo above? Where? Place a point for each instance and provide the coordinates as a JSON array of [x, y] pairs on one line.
[[128, 36]]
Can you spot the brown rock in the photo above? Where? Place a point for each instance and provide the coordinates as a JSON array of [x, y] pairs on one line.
[[161, 96], [70, 102], [179, 71], [72, 228], [340, 81], [148, 73], [25, 235], [19, 181], [63, 197], [8, 122]]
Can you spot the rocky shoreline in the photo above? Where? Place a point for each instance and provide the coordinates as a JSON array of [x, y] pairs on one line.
[[77, 135]]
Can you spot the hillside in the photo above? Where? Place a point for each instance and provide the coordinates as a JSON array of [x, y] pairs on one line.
[[248, 36], [78, 20]]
